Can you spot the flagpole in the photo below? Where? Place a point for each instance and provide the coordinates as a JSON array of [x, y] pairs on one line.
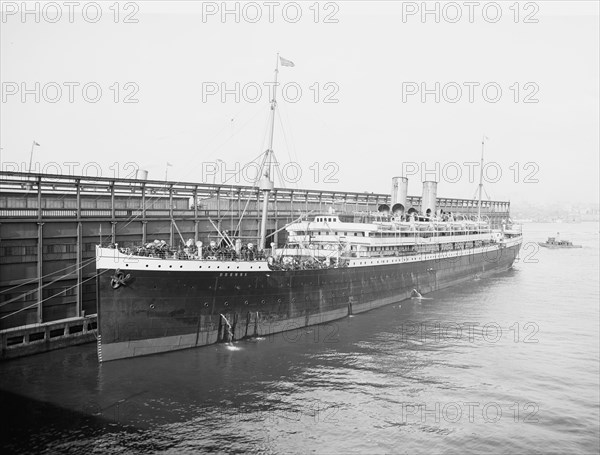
[[480, 180], [31, 155], [273, 107], [167, 171], [266, 184]]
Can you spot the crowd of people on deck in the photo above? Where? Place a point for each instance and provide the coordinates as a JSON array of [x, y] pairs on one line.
[[190, 250], [311, 263]]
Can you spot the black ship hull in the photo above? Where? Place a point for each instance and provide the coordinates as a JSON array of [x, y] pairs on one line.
[[164, 310]]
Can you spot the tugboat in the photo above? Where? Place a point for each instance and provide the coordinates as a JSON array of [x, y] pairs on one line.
[[555, 242]]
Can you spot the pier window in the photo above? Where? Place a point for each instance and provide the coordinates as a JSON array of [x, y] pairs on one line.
[[12, 251]]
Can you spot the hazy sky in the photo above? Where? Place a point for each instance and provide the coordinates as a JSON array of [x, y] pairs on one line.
[[369, 56]]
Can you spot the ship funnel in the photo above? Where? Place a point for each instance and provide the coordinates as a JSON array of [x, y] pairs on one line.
[[428, 201], [399, 191], [398, 209], [399, 195], [383, 208], [141, 174], [395, 190]]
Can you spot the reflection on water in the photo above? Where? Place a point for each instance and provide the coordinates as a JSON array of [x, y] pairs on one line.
[[502, 364]]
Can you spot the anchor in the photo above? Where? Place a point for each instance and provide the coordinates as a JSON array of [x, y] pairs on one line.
[[119, 279]]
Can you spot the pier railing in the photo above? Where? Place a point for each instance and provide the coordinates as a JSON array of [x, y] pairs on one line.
[[44, 195]]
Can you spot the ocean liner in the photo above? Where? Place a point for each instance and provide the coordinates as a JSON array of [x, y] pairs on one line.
[[153, 299]]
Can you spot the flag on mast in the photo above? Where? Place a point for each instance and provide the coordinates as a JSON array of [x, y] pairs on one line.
[[285, 62], [35, 143]]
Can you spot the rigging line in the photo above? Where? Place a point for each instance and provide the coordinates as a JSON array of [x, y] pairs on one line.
[[251, 194], [237, 114], [243, 213], [295, 184], [280, 113], [259, 175], [48, 298], [283, 131], [41, 287], [253, 160], [215, 150], [244, 167], [278, 171], [192, 168], [35, 280], [153, 198], [132, 218], [486, 193], [291, 133], [287, 147]]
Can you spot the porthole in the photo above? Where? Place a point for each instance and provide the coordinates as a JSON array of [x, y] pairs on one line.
[[262, 301], [278, 300], [126, 265], [146, 265], [152, 306], [245, 302], [226, 303], [206, 304], [159, 266]]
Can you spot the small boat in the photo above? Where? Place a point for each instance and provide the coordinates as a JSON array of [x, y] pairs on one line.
[[555, 242]]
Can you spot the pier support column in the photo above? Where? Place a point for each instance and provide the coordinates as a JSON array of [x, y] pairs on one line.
[[40, 270], [144, 232], [195, 215], [113, 231], [79, 293]]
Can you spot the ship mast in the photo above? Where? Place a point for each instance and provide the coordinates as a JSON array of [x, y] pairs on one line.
[[266, 184], [480, 180]]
